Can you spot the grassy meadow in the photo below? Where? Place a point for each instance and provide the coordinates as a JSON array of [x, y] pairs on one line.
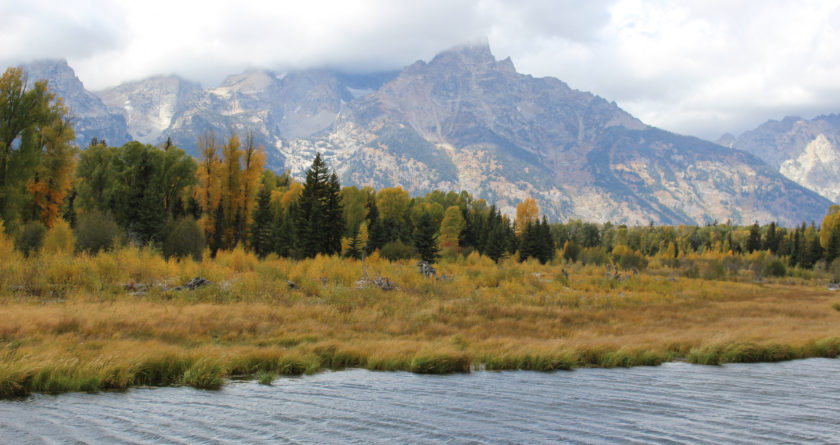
[[75, 322]]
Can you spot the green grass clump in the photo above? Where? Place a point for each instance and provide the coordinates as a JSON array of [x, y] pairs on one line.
[[265, 377], [161, 371], [527, 362], [204, 374], [440, 364], [13, 383], [333, 358], [745, 353], [292, 366]]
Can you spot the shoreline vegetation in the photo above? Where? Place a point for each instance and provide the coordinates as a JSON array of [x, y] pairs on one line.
[[115, 320]]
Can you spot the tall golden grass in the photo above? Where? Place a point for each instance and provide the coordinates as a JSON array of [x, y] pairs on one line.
[[112, 320]]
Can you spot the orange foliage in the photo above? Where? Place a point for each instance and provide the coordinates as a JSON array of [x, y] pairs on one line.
[[53, 175]]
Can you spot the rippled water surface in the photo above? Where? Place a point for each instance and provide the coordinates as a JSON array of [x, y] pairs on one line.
[[792, 402]]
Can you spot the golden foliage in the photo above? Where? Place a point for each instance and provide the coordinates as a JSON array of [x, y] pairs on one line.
[[116, 316], [526, 211], [59, 239], [829, 222]]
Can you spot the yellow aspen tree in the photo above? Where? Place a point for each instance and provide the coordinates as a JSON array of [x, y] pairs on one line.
[[231, 201], [253, 159], [526, 211], [451, 227], [290, 195], [830, 220], [208, 191], [393, 203]]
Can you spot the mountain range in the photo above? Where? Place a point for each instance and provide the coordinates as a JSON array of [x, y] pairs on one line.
[[805, 151], [462, 121]]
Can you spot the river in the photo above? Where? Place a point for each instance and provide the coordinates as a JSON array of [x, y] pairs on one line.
[[790, 402]]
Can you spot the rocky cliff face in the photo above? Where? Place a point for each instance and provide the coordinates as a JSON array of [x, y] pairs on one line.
[[805, 151], [466, 121], [91, 118]]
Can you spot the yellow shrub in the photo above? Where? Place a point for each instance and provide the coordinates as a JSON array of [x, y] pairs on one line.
[[59, 239]]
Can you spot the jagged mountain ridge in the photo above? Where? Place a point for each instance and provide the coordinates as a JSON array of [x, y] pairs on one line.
[[465, 121], [805, 151], [91, 118]]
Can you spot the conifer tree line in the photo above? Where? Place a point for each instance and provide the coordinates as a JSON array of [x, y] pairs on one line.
[[160, 196]]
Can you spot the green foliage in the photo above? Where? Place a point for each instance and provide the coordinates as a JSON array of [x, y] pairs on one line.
[[261, 229], [775, 268], [204, 375], [832, 249], [139, 184], [497, 243], [98, 180], [320, 223], [440, 363], [354, 205], [754, 241], [96, 231], [284, 234], [397, 250], [571, 251], [426, 239], [183, 238], [31, 237], [594, 255], [376, 231], [265, 377], [834, 270], [537, 242], [354, 248], [34, 138]]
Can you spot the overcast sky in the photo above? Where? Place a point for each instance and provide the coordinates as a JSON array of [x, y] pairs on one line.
[[703, 68]]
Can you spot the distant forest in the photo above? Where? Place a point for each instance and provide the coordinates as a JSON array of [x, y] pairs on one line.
[[141, 194]]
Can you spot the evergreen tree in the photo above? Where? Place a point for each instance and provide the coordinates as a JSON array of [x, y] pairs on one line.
[[771, 239], [497, 243], [754, 240], [354, 249], [320, 222], [261, 229], [796, 248], [218, 230], [546, 242], [426, 238], [334, 229], [832, 251], [284, 236], [529, 242], [814, 253]]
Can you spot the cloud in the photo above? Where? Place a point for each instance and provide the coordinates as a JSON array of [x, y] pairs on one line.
[[45, 29], [700, 68]]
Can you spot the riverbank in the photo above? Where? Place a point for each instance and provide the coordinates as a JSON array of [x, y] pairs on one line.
[[118, 320]]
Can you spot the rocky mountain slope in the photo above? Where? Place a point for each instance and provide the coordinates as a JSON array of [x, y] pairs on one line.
[[805, 151], [466, 121], [91, 118]]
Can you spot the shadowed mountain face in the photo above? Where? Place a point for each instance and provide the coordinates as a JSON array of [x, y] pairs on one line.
[[91, 118], [466, 121], [805, 151]]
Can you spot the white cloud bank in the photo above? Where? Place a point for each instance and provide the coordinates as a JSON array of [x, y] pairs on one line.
[[701, 68]]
